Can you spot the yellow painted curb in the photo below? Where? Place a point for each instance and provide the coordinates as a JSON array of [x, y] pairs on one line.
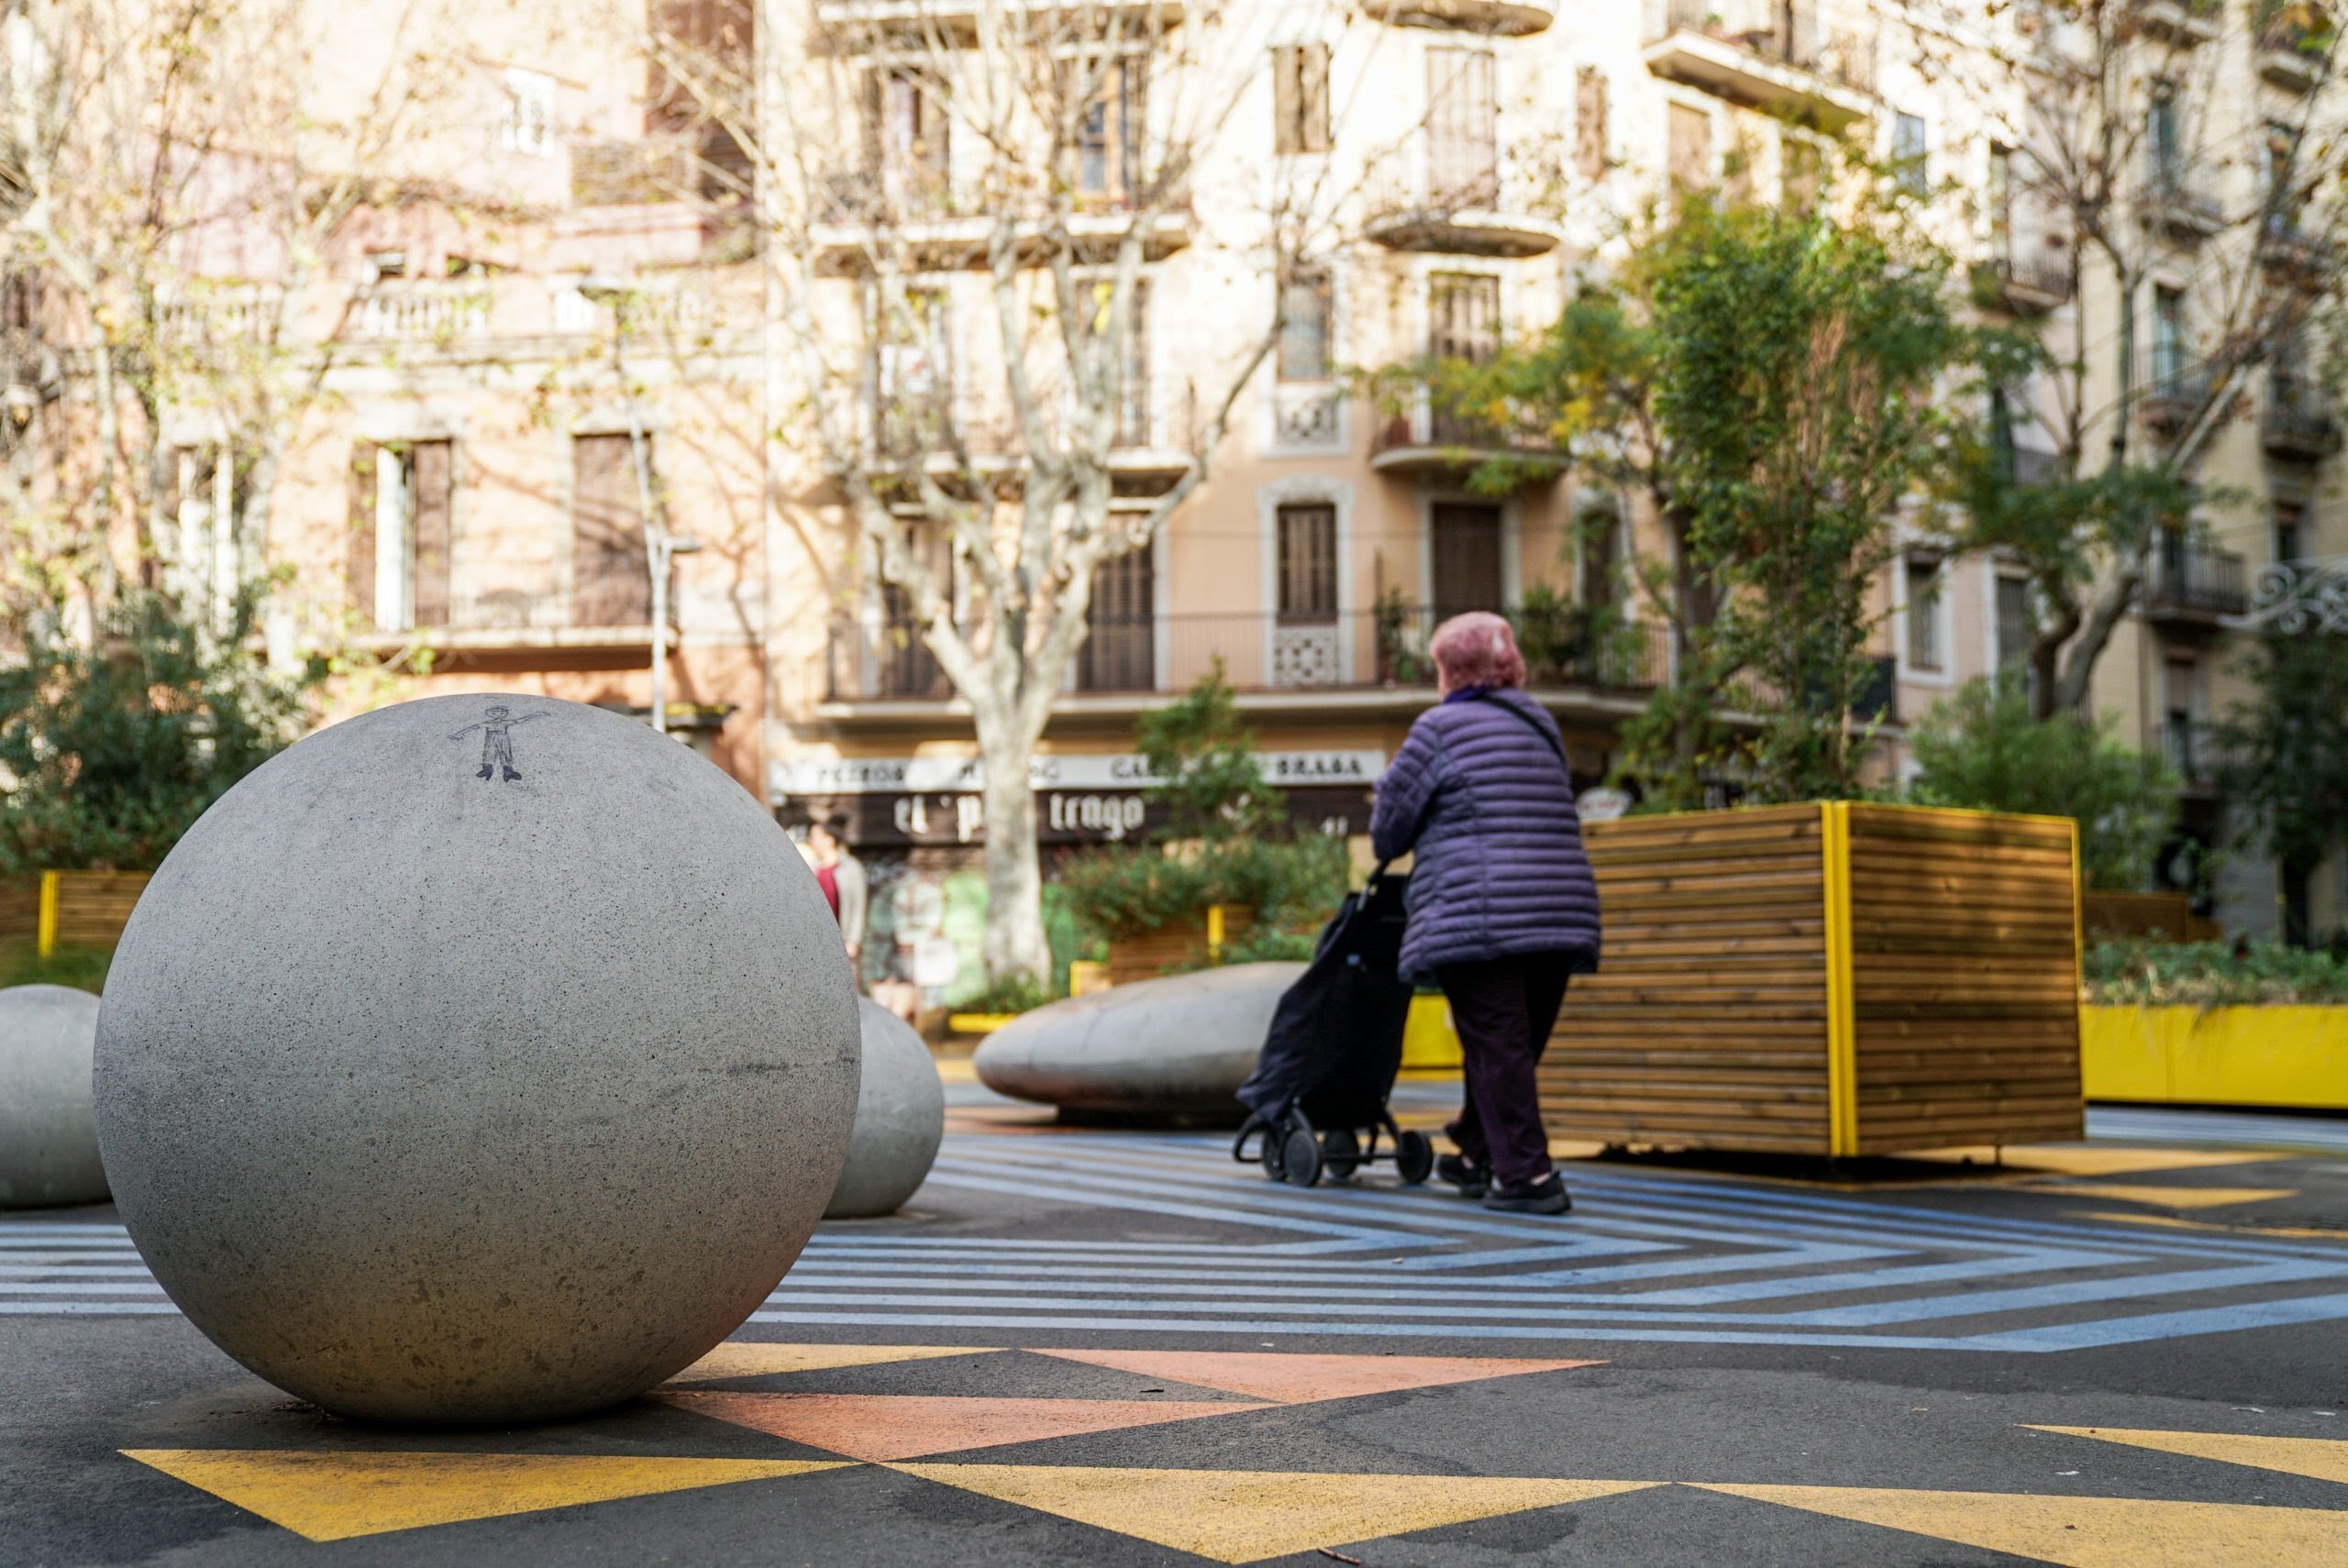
[[978, 1022]]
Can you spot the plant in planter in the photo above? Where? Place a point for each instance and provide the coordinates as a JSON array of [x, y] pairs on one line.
[[1227, 875]]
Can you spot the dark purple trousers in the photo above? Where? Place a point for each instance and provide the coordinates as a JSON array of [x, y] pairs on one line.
[[1504, 1009]]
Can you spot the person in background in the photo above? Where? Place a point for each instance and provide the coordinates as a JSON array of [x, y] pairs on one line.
[[841, 875], [1502, 908]]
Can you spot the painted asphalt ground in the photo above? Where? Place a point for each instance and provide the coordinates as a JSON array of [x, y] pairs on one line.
[[2132, 1350]]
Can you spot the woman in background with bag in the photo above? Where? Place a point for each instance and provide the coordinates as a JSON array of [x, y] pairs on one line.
[[1503, 910]]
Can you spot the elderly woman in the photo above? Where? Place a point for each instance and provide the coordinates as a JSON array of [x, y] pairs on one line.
[[1502, 908]]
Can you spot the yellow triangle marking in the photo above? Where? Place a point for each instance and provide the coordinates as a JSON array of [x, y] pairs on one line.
[[2082, 1160], [2171, 1222], [1245, 1516], [2082, 1532], [748, 1359], [333, 1497], [2171, 1197], [2325, 1458]]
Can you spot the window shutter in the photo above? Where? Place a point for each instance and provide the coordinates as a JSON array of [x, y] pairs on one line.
[[1590, 122], [1288, 92], [610, 580], [432, 484], [1312, 87], [359, 560]]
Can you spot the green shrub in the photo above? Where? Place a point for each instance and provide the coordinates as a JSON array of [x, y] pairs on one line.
[[2211, 974], [1982, 749], [1015, 993], [84, 968]]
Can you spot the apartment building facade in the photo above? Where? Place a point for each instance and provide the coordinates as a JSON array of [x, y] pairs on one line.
[[512, 390]]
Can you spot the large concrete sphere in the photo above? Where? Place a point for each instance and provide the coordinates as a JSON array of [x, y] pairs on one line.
[[900, 1118], [1178, 1046], [48, 1142], [478, 1059]]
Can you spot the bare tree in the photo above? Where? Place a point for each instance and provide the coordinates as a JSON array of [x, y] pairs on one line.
[[2124, 155], [176, 181], [960, 207]]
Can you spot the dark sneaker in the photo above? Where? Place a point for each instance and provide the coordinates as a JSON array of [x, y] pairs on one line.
[[1471, 1180], [1547, 1196]]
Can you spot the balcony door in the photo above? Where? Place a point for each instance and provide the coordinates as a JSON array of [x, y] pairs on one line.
[[1464, 550], [398, 559], [1120, 652], [1307, 639], [1462, 129], [1463, 323], [611, 580]]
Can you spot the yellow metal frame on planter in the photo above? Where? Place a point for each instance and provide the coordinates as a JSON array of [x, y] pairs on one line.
[[1842, 1010], [45, 932]]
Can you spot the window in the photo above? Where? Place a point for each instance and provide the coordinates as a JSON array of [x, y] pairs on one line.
[[2162, 140], [1997, 199], [1465, 554], [610, 582], [913, 369], [1589, 123], [2287, 517], [1689, 158], [398, 542], [1910, 154], [1463, 316], [1925, 653], [2181, 714], [528, 125], [1109, 136], [2016, 624], [911, 137], [1462, 129], [1300, 98], [1599, 534], [1134, 422], [2168, 338], [1308, 562], [1802, 173], [1305, 329], [1120, 642]]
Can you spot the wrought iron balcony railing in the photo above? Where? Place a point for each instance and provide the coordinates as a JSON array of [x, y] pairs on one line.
[[2192, 584], [1359, 650]]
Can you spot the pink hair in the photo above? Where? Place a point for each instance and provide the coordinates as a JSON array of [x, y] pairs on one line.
[[1476, 649]]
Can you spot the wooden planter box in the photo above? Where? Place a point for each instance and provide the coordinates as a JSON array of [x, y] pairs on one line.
[[69, 909], [1827, 979], [1150, 954], [2281, 1056]]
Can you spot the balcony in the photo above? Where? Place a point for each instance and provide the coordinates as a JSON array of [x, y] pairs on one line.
[[1379, 655], [2296, 420], [961, 17], [2029, 279], [857, 210], [1764, 54], [2184, 201], [2180, 24], [609, 614], [2176, 394], [421, 312], [1503, 18], [1154, 443], [2293, 39], [2286, 246], [1425, 441], [2190, 748], [2189, 589], [1454, 202]]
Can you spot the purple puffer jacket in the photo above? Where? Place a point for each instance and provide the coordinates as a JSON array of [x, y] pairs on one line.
[[1486, 807]]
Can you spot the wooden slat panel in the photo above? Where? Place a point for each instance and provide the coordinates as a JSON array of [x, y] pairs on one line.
[[1965, 978], [93, 906]]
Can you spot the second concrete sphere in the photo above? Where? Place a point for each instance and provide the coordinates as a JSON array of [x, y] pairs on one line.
[[49, 1140], [899, 1120], [478, 1059]]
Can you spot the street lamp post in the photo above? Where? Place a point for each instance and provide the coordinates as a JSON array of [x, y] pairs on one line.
[[660, 547]]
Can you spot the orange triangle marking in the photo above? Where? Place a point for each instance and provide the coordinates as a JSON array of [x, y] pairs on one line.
[[909, 1426], [1302, 1379]]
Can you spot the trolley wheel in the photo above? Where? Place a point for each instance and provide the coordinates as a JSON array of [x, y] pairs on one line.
[[1340, 1153], [1275, 1168], [1299, 1157], [1413, 1158]]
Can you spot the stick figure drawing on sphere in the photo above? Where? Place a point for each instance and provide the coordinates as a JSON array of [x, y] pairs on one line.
[[496, 741]]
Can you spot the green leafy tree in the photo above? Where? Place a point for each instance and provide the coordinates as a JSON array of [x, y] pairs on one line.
[[1203, 765], [1800, 358], [1985, 748], [2287, 771], [113, 749]]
